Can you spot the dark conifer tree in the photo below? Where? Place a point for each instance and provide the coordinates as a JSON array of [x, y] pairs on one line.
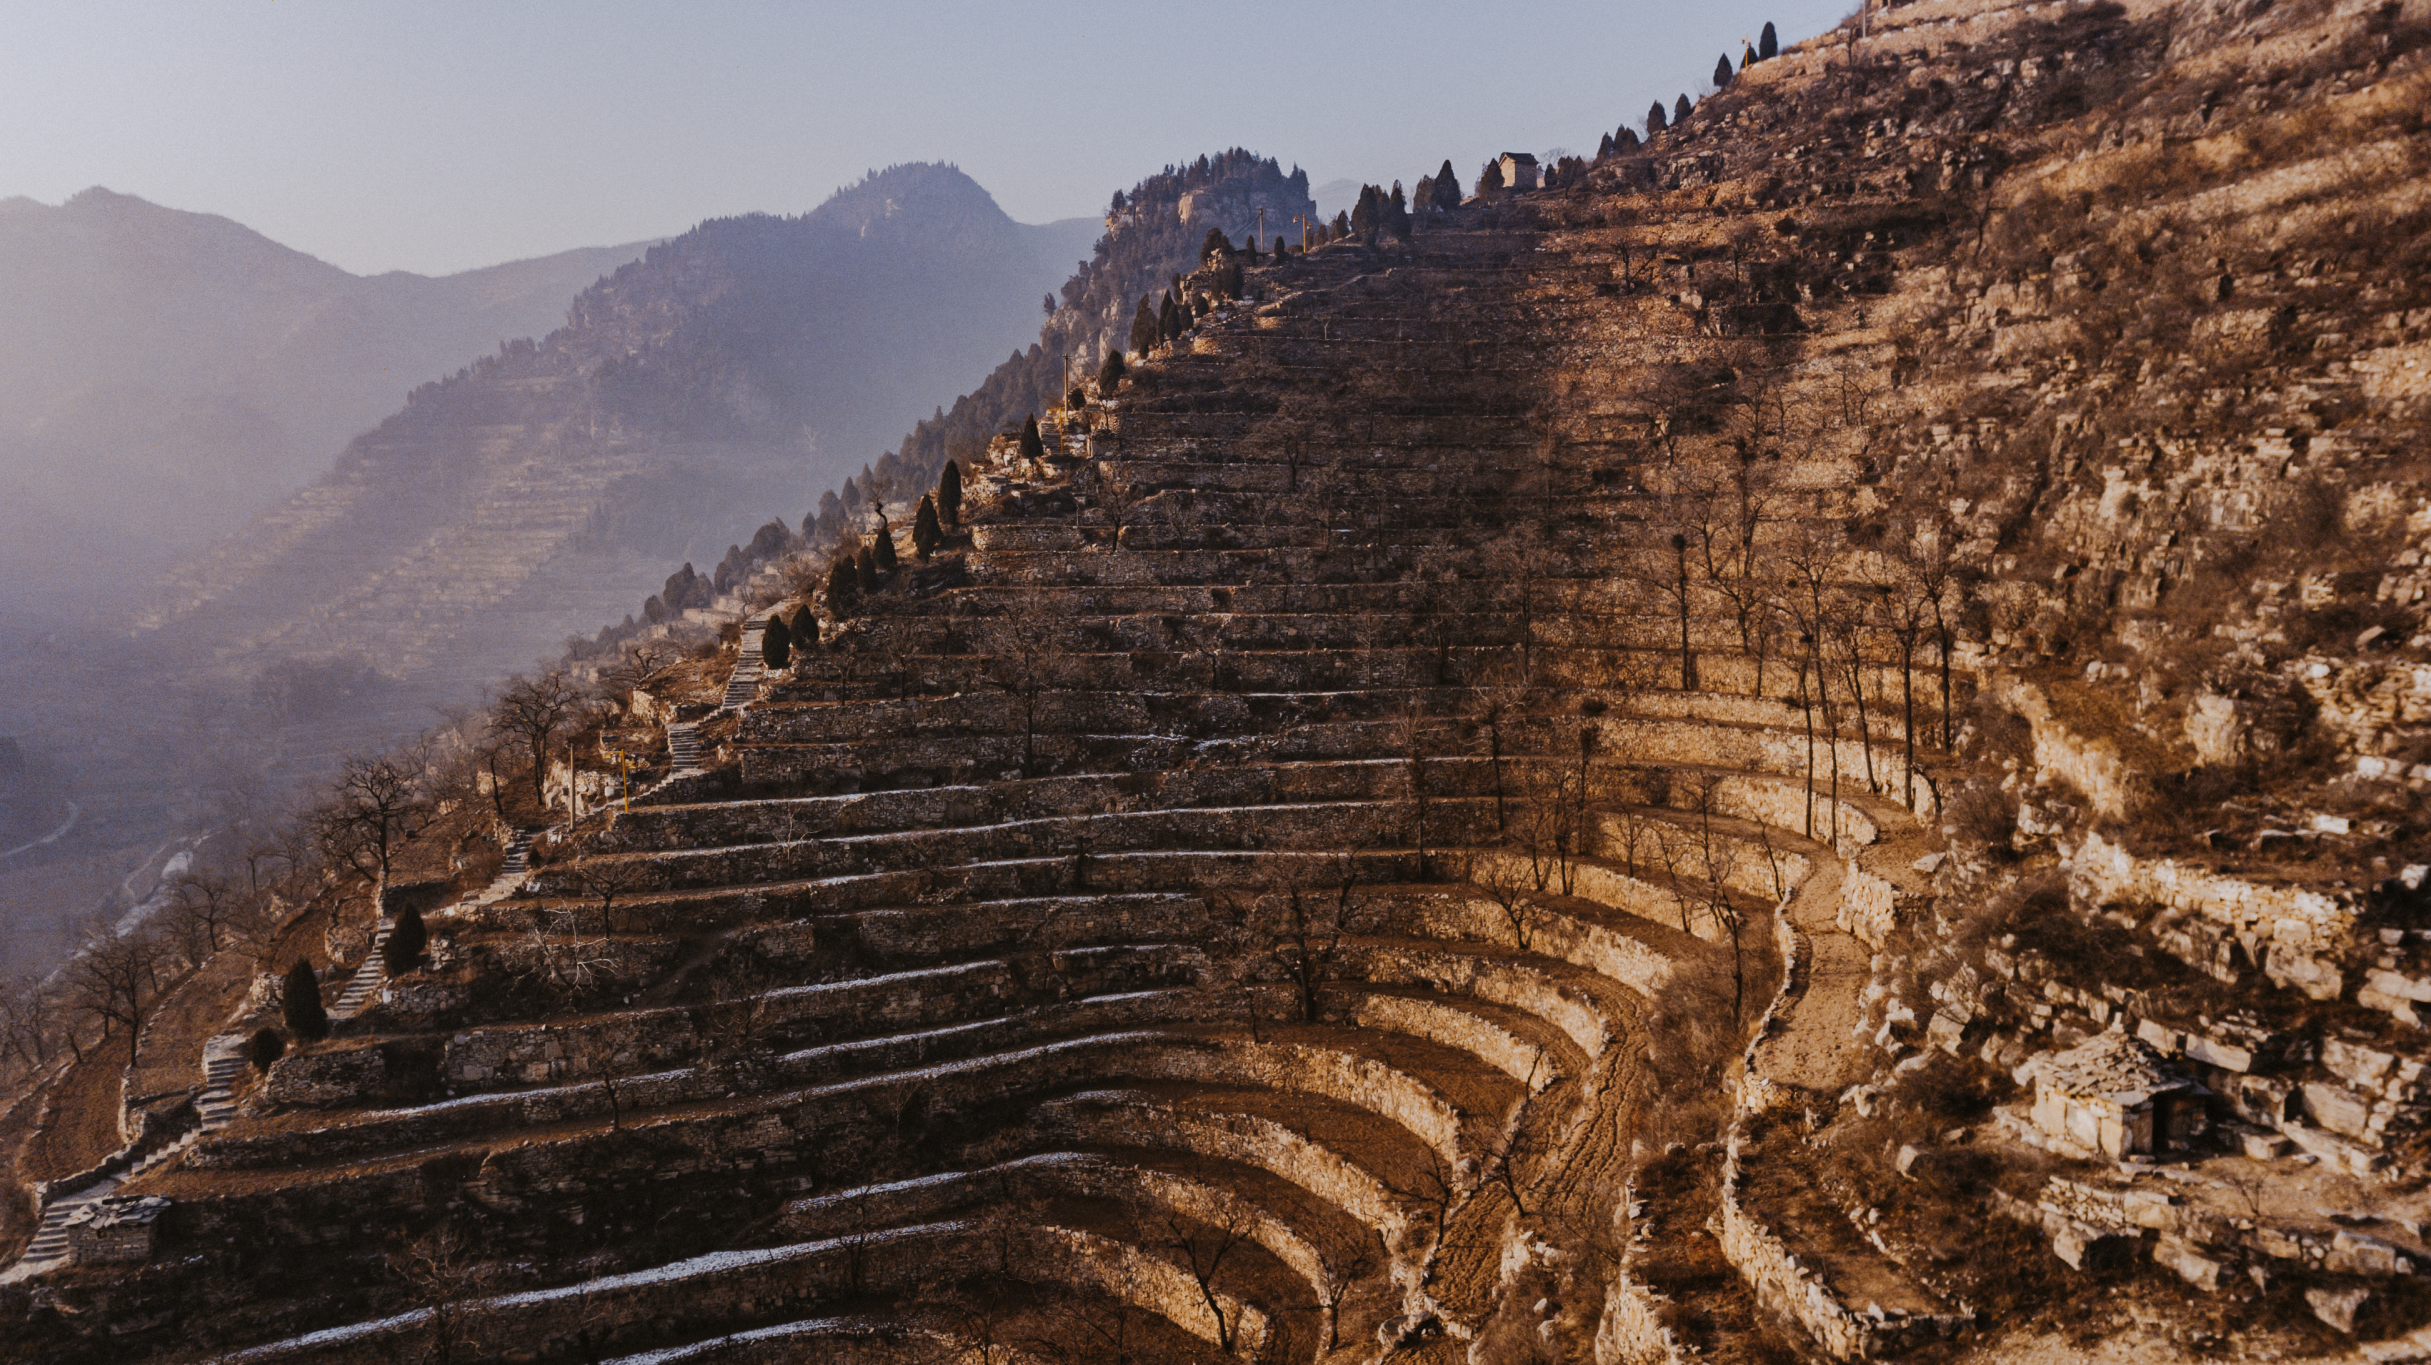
[[804, 631], [1747, 57], [653, 610], [1033, 446], [1167, 326], [1680, 109], [1447, 186], [406, 940], [1363, 214], [949, 492], [882, 547], [843, 585], [1625, 141], [776, 643], [865, 568], [1422, 199], [265, 1048], [300, 1003], [1489, 178], [926, 536], [1111, 373], [1768, 43], [1655, 122], [1341, 228], [1604, 149], [1397, 213], [1215, 243], [1249, 252], [1144, 330], [1722, 72]]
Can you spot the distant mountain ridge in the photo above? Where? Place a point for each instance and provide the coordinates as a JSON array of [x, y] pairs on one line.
[[718, 381], [166, 374]]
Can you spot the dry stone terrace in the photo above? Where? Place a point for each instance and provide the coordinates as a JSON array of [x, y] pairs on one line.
[[1123, 919]]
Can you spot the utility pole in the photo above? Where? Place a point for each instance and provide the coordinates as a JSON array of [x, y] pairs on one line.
[[1260, 230]]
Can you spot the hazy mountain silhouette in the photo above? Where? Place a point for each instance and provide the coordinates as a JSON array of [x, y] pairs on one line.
[[721, 380], [164, 375]]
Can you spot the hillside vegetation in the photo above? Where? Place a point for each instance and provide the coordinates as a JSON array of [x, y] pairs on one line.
[[1801, 746]]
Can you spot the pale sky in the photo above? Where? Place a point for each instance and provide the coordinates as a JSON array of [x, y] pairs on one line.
[[437, 136]]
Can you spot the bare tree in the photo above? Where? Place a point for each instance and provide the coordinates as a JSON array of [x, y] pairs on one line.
[[440, 1269], [206, 908], [1309, 942], [1499, 699], [1724, 532], [1414, 750], [606, 880], [31, 1026], [1908, 615], [1720, 857], [1340, 1268], [378, 807], [1021, 655], [1498, 874], [554, 953], [117, 978], [1202, 1249], [535, 710]]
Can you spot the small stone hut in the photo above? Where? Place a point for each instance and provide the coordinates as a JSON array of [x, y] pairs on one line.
[[1518, 171], [2112, 1096], [114, 1230]]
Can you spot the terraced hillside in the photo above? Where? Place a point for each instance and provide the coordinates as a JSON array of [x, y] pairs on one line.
[[1448, 815]]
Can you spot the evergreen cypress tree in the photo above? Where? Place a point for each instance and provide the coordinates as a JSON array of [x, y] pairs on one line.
[[804, 632], [1215, 242], [1722, 72], [1447, 186], [1111, 373], [1033, 447], [1396, 212], [266, 1047], [406, 940], [925, 534], [1249, 252], [1363, 214], [865, 568], [1341, 228], [1166, 328], [1679, 110], [1747, 57], [1626, 140], [1423, 198], [776, 643], [1604, 149], [843, 585], [1768, 43], [1144, 331], [1655, 122], [1489, 178], [949, 492], [882, 547], [300, 1003]]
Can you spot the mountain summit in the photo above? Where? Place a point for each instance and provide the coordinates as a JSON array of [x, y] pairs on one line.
[[716, 381], [166, 374]]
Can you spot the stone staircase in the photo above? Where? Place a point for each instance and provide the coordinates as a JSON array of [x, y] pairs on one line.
[[224, 1063], [683, 747], [364, 986], [750, 670]]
